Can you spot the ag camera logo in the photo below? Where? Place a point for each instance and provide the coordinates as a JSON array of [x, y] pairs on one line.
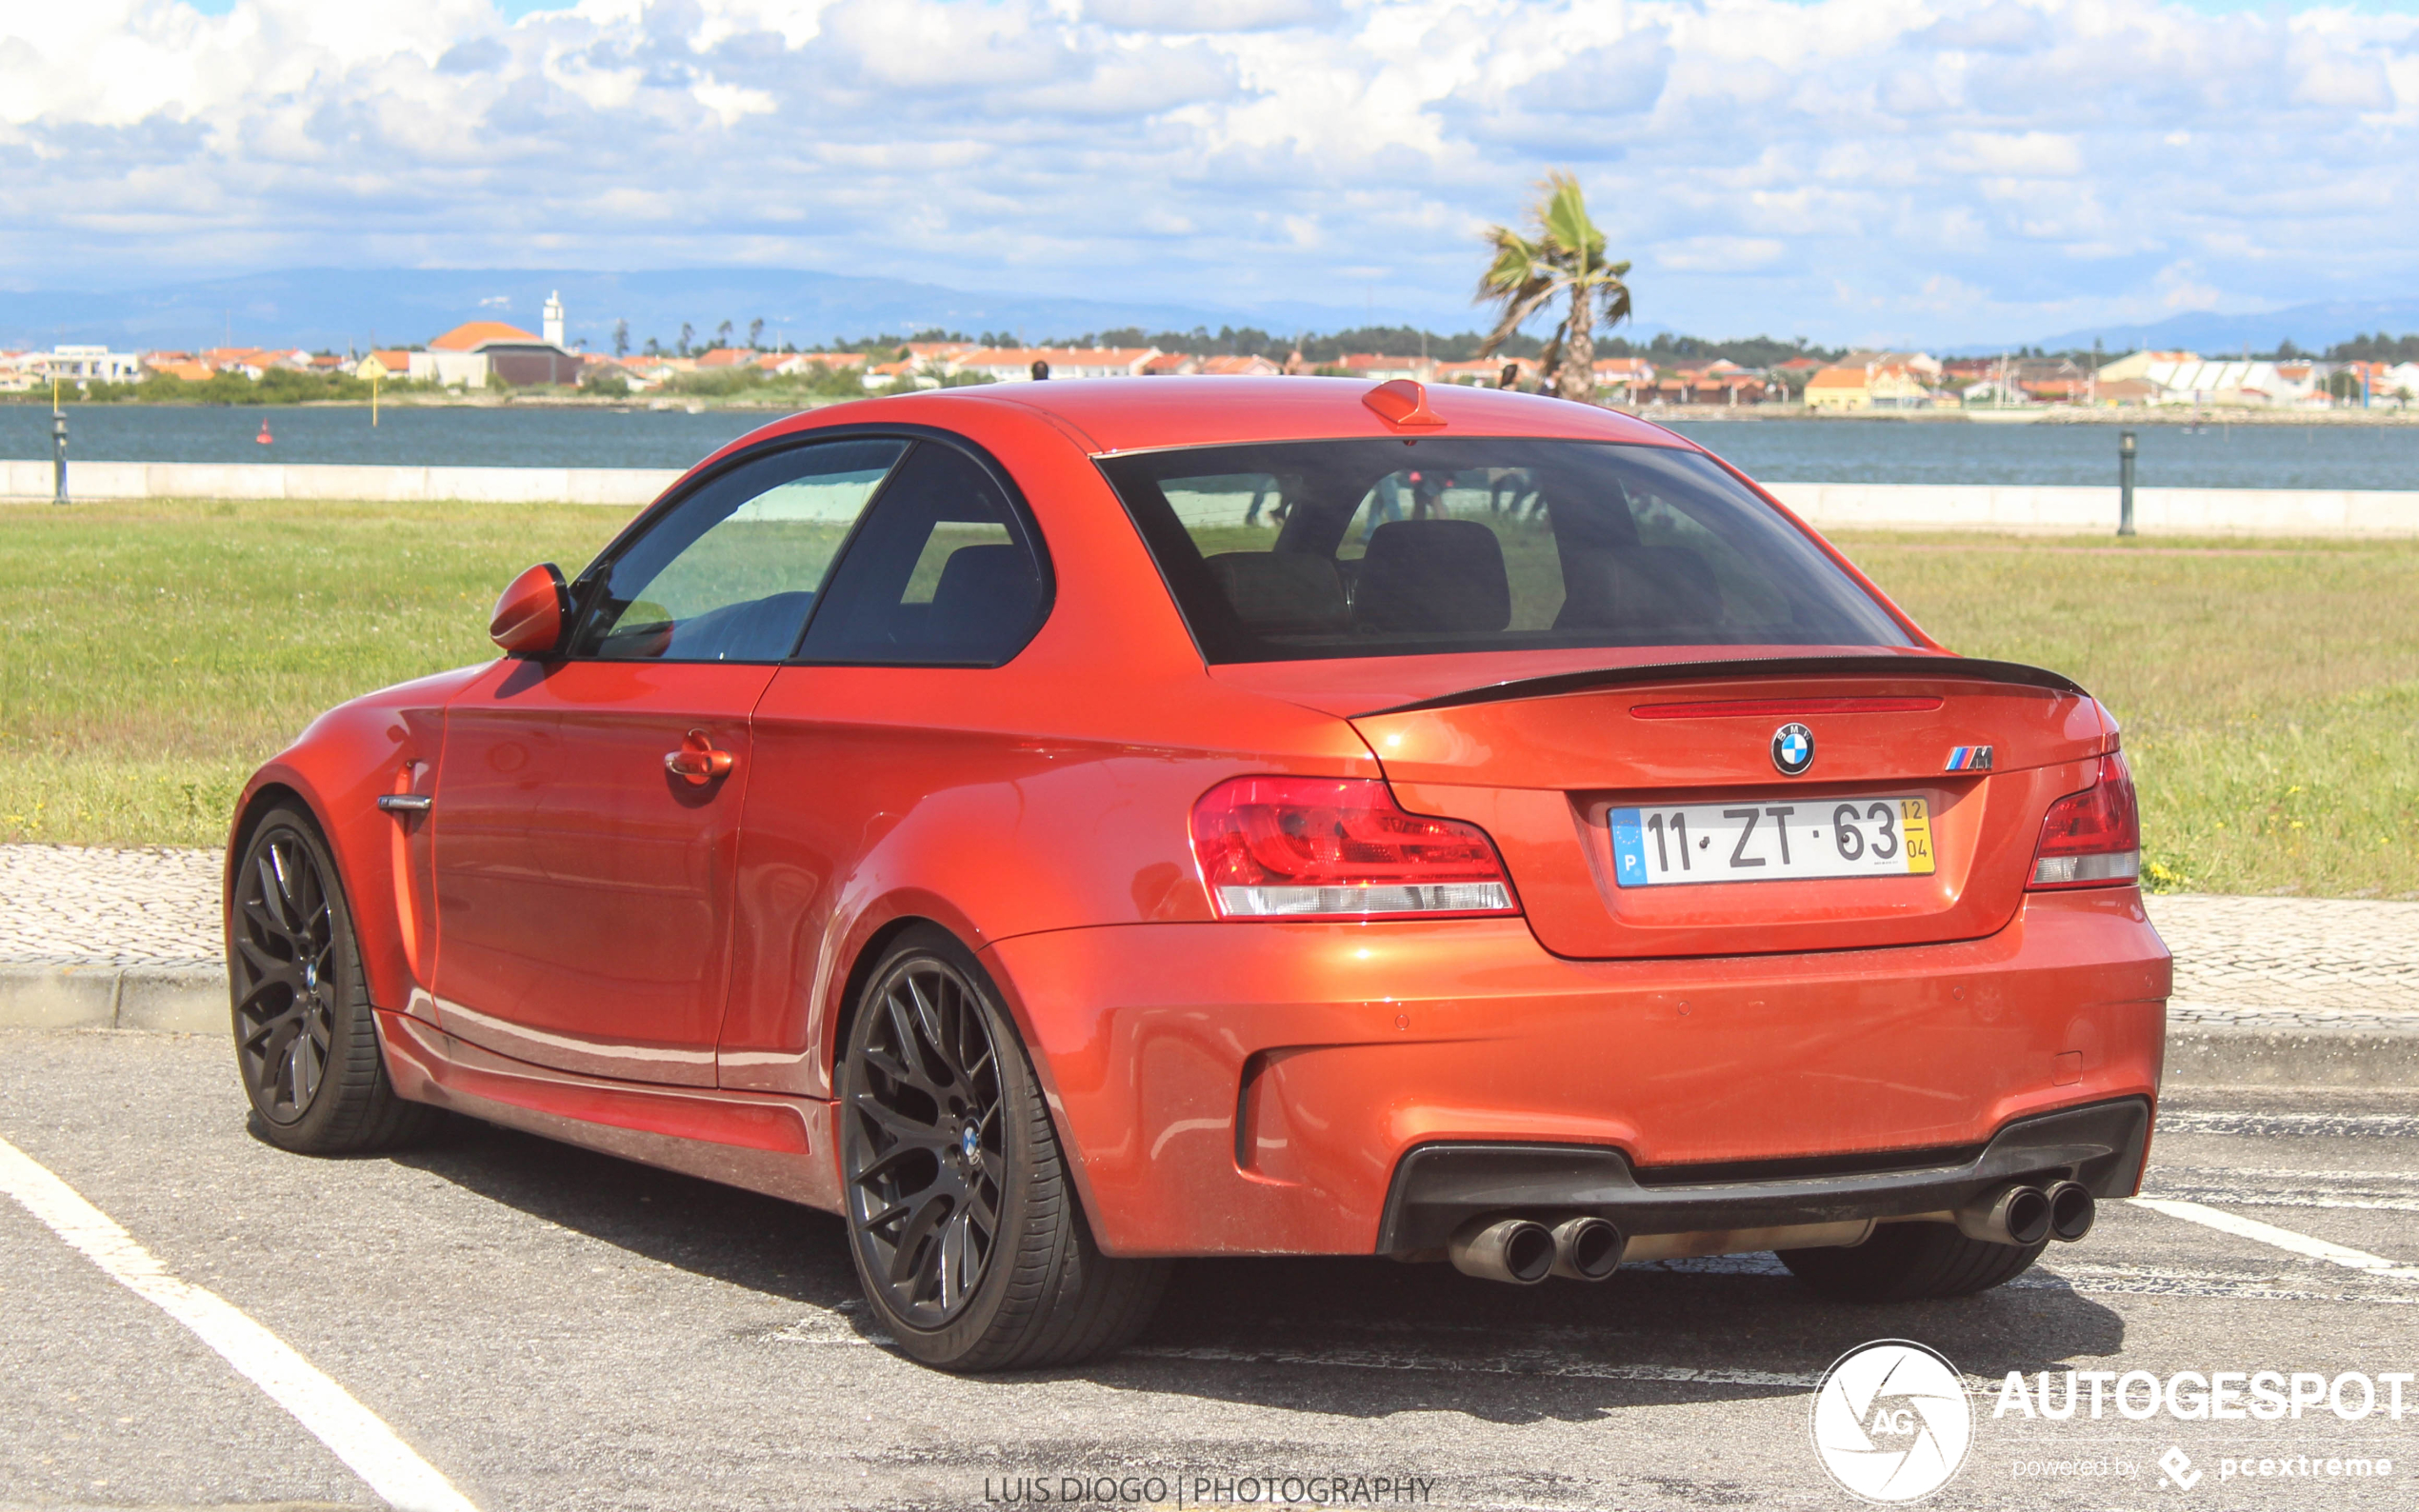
[[1891, 1421]]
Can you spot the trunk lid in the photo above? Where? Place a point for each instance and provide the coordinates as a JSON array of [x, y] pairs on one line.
[[1544, 764]]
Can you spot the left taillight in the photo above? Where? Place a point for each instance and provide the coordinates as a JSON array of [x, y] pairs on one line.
[[1308, 848], [2093, 837]]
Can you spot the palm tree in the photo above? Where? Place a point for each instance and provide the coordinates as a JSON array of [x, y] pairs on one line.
[[1564, 254]]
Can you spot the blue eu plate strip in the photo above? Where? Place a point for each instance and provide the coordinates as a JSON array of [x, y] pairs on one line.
[[1629, 848]]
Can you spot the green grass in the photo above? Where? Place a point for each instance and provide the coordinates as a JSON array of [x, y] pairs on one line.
[[2269, 690], [156, 652]]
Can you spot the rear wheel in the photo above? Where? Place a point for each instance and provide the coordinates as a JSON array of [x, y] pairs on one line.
[[305, 1043], [1912, 1262], [966, 1229]]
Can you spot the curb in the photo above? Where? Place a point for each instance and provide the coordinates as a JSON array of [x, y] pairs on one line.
[[2206, 1056], [179, 1000], [192, 1000]]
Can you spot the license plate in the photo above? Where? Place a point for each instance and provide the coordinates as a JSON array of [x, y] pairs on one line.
[[1771, 840]]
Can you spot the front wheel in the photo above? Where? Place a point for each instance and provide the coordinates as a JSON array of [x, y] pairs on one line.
[[967, 1235], [1912, 1262], [305, 1043]]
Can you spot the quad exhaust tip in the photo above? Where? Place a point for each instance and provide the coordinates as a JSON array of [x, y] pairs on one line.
[[2013, 1214], [1518, 1250], [1588, 1248], [2072, 1208]]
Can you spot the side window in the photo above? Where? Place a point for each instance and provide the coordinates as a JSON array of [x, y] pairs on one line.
[[732, 573], [942, 574]]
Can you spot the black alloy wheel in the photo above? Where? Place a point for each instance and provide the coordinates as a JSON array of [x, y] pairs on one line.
[[286, 975], [964, 1225], [926, 1156], [306, 1040]]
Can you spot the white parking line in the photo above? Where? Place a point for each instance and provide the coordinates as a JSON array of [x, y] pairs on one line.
[[2285, 1239], [356, 1435]]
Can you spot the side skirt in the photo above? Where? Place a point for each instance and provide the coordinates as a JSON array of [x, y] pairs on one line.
[[782, 1147]]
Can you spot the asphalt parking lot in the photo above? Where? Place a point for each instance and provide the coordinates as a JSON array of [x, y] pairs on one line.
[[551, 1328]]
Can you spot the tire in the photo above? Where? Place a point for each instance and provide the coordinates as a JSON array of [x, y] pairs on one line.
[[1912, 1262], [306, 1042], [965, 1226]]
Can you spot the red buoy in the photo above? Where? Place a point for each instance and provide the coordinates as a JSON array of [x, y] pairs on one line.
[[264, 438]]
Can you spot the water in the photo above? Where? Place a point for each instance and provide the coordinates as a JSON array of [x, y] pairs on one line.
[[1779, 451], [453, 436], [1952, 452]]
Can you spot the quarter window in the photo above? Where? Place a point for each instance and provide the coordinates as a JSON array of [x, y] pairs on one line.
[[942, 574]]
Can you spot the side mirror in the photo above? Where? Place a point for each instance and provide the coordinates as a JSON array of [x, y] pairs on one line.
[[528, 618]]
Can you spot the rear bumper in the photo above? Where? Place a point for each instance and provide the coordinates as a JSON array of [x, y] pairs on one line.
[[1254, 1088], [1439, 1187]]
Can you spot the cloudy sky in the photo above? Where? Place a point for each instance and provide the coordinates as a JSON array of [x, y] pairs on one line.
[[1844, 169]]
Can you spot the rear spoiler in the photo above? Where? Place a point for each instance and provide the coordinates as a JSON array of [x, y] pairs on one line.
[[1971, 669]]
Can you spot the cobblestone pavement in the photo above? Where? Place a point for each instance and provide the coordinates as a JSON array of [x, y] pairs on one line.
[[64, 905], [2270, 961]]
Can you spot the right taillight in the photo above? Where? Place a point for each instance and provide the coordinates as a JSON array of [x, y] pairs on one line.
[[2093, 837]]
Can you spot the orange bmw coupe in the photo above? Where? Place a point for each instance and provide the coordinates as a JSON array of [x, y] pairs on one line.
[[1063, 826]]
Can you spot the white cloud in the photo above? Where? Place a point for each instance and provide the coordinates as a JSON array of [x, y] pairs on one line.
[[1963, 162]]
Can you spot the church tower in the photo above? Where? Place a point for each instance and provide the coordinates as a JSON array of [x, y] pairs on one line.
[[551, 325]]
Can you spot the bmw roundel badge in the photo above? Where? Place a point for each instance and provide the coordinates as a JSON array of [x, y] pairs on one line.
[[1792, 749]]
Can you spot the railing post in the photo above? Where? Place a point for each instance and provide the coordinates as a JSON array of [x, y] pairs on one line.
[[2125, 483], [59, 456]]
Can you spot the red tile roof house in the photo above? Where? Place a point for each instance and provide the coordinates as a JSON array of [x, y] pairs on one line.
[[1484, 372], [480, 350], [1378, 368], [1624, 379], [1177, 362]]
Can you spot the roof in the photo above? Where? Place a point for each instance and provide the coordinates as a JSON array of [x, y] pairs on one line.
[[477, 333], [728, 357], [1839, 378], [1125, 414]]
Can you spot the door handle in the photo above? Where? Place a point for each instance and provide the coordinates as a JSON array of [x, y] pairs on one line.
[[697, 762]]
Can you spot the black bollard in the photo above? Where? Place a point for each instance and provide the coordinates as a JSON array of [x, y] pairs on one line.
[[58, 457], [2125, 483]]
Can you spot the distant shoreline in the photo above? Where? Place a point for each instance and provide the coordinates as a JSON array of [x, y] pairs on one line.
[[1741, 415]]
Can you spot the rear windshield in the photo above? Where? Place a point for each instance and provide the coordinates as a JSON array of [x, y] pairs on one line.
[[1299, 550]]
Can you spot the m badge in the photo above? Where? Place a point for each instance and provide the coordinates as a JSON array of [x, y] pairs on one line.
[[1969, 759]]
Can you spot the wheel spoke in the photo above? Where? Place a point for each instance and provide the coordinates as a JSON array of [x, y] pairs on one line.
[[916, 1237], [957, 1263], [268, 969], [928, 1020], [905, 1130]]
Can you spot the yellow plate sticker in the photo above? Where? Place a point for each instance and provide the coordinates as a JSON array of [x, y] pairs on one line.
[[1914, 825]]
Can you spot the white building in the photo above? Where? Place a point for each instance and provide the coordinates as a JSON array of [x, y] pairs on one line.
[[550, 320], [93, 365]]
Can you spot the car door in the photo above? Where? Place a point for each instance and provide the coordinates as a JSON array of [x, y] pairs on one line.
[[587, 813], [889, 709]]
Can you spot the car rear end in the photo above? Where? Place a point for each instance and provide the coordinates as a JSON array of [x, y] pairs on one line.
[[1702, 906]]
